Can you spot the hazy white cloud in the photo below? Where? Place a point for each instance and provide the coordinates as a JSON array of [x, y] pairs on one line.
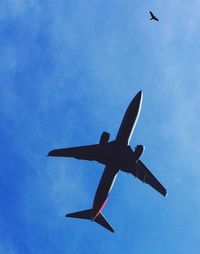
[[68, 71]]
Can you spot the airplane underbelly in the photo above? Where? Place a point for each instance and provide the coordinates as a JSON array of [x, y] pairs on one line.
[[105, 185], [115, 155]]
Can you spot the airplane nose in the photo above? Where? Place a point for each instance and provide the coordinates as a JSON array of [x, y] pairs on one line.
[[138, 98], [140, 94]]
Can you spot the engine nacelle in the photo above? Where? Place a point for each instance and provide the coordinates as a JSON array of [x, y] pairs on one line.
[[139, 149], [104, 138]]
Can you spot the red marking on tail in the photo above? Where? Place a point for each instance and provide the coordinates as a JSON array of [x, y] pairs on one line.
[[102, 207]]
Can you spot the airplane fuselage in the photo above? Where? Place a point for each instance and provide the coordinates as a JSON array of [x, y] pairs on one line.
[[103, 190], [117, 155]]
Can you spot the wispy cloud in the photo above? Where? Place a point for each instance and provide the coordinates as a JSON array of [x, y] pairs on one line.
[[68, 71]]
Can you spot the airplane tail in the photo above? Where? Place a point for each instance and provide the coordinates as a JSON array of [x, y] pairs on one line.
[[87, 214]]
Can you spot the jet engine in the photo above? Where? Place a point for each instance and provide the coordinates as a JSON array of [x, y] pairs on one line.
[[104, 138], [139, 149]]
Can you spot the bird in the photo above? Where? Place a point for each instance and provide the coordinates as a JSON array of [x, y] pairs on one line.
[[153, 17]]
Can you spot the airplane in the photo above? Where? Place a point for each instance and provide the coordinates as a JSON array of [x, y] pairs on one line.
[[153, 17], [116, 155]]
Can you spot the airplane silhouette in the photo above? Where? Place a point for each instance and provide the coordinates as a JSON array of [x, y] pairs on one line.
[[116, 155], [153, 17]]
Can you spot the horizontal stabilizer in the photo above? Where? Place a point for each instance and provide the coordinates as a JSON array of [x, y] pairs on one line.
[[87, 214], [101, 220]]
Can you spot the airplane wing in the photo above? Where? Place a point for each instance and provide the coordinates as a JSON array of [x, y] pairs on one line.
[[141, 172], [90, 152]]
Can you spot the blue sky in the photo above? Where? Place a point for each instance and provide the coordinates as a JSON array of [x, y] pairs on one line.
[[68, 70]]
